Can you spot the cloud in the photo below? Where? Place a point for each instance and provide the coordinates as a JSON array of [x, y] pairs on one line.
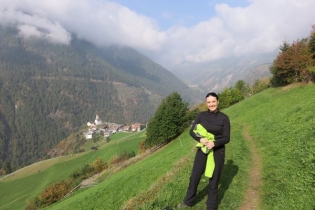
[[30, 25], [99, 22], [259, 27]]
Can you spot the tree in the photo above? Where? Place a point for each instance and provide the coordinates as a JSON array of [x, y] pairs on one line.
[[236, 96], [293, 64], [225, 98], [168, 120], [311, 44], [285, 46], [7, 167], [230, 96], [260, 85], [311, 47], [243, 87]]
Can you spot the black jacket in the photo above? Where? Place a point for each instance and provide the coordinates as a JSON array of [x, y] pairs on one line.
[[216, 123]]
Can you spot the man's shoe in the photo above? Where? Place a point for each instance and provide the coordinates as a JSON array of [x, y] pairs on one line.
[[182, 205]]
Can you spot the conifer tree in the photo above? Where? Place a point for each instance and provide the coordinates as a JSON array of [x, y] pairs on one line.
[[168, 121], [311, 44]]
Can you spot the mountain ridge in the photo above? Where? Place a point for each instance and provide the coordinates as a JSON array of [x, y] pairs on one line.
[[49, 91], [225, 72]]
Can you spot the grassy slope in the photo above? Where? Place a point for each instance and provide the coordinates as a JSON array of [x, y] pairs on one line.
[[160, 180], [14, 190], [280, 121]]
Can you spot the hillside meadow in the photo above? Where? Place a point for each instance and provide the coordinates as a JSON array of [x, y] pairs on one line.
[[276, 126], [27, 183]]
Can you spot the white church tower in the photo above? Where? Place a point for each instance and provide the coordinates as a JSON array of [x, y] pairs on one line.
[[97, 121]]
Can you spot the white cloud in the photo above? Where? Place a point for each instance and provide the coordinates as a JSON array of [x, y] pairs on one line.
[[264, 25], [43, 29], [261, 26], [100, 22], [30, 25]]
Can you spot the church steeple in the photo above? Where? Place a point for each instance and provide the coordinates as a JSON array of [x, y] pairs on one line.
[[97, 120]]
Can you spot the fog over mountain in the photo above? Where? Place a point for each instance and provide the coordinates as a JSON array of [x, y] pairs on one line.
[[180, 37]]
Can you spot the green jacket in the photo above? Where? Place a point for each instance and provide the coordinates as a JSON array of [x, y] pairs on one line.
[[200, 131]]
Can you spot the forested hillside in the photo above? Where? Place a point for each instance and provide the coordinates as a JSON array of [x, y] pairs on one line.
[[48, 91]]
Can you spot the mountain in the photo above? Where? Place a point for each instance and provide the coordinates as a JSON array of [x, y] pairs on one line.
[[219, 74], [50, 90]]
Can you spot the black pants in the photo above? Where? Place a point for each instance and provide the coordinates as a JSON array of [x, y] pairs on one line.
[[198, 170]]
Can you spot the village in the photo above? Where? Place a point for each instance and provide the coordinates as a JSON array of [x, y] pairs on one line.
[[109, 128]]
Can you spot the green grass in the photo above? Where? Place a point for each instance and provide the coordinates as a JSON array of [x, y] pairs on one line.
[[161, 180], [27, 183], [117, 136], [38, 167], [281, 124]]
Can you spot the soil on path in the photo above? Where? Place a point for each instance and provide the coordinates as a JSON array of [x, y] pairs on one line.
[[252, 196]]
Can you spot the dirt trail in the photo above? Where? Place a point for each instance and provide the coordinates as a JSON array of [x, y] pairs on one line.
[[252, 197]]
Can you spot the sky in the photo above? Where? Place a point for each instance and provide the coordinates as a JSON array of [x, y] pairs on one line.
[[170, 32]]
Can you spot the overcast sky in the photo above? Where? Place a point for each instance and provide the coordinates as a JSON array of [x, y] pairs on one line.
[[170, 32]]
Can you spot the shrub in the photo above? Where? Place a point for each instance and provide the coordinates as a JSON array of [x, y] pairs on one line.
[[99, 165], [50, 195], [55, 192]]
